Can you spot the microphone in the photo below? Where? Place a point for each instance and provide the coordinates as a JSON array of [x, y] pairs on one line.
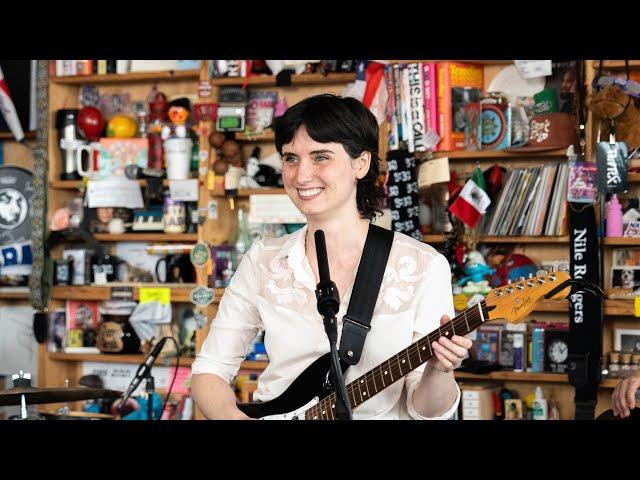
[[144, 368], [326, 291]]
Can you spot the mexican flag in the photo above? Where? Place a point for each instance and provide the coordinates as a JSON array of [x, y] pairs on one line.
[[472, 202]]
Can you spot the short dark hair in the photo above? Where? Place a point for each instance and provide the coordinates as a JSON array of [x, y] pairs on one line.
[[329, 118]]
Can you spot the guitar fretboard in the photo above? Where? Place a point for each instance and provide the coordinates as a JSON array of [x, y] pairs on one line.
[[396, 367]]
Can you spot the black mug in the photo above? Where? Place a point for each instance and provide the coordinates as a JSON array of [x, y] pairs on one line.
[[179, 269], [107, 265]]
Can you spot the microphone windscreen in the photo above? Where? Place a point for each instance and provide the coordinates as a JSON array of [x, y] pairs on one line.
[[321, 252], [40, 326]]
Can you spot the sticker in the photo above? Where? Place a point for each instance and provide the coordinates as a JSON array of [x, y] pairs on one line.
[[203, 155], [160, 294], [200, 254], [204, 89], [121, 293], [201, 319], [202, 171], [202, 296], [212, 208]]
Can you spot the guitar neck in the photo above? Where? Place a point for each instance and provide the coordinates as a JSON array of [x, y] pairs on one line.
[[399, 365]]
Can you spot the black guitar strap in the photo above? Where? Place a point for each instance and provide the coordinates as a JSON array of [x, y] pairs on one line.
[[356, 322]]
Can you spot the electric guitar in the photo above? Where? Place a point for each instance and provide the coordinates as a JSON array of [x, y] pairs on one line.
[[312, 397]]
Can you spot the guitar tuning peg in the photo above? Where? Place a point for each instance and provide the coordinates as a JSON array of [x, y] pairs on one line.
[[552, 269], [540, 273], [521, 279], [530, 275], [508, 281]]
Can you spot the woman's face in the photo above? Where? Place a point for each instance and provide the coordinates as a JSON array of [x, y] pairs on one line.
[[320, 178]]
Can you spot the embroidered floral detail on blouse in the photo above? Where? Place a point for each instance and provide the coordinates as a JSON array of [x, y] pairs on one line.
[[287, 295], [278, 269]]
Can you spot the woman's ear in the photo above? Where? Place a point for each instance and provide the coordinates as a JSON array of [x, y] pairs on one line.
[[362, 164]]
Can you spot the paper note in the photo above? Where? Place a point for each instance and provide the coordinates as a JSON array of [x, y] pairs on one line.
[[160, 294], [114, 193], [275, 208], [533, 68], [184, 190]]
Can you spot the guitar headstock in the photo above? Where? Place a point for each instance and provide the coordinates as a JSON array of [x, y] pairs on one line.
[[513, 302]]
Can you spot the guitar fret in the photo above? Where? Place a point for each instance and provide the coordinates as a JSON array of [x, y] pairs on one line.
[[465, 321], [373, 376], [366, 386], [382, 376], [353, 395], [359, 390], [453, 328]]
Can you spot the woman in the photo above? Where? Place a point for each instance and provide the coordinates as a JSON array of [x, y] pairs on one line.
[[330, 165]]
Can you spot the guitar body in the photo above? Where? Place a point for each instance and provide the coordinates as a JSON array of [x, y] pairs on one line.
[[311, 386]]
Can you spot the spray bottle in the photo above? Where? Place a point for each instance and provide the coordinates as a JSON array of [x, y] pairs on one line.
[[539, 406]]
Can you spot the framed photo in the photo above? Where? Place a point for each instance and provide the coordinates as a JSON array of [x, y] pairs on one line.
[[626, 340], [513, 409]]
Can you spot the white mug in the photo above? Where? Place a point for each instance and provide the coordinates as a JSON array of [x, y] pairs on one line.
[[178, 158], [93, 149]]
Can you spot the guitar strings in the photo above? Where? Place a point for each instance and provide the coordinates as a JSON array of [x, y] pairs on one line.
[[461, 320]]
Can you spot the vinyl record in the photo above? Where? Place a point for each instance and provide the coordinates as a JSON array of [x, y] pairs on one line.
[[16, 205]]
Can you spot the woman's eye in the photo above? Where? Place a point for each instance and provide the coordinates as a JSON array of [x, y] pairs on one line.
[[289, 159]]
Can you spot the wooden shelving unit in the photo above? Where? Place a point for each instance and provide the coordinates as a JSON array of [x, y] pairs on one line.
[[438, 238], [501, 154], [180, 292], [146, 237], [633, 177], [117, 358], [622, 241], [296, 80], [612, 307], [14, 293], [245, 193], [77, 184], [134, 77], [266, 136]]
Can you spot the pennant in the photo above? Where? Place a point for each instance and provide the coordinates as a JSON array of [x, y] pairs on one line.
[[471, 203], [8, 109]]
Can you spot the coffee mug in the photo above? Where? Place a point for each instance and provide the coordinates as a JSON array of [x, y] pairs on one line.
[[179, 269], [105, 268], [178, 158], [93, 150]]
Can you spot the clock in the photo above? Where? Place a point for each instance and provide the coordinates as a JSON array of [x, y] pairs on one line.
[[556, 350]]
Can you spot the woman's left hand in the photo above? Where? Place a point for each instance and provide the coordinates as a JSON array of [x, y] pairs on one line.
[[449, 353]]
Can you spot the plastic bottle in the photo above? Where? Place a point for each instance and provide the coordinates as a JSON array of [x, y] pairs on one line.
[[614, 217], [539, 406]]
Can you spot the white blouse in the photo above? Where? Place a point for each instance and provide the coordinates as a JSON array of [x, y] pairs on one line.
[[273, 290]]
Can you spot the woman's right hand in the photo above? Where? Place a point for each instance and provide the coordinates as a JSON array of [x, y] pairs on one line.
[[624, 395]]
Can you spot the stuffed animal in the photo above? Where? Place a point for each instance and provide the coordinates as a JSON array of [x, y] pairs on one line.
[[612, 103]]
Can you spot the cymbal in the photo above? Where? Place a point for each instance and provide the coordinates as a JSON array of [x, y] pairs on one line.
[[77, 416], [33, 395]]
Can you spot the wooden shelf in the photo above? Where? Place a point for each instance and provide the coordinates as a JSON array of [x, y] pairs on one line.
[[500, 154], [146, 237], [128, 77], [436, 238], [116, 358], [14, 293], [77, 184], [266, 136], [180, 292], [612, 307], [254, 364], [633, 177], [610, 383], [296, 80], [256, 191], [617, 64], [515, 376], [9, 135], [621, 241]]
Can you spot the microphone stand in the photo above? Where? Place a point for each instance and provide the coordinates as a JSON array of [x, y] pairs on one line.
[[150, 390], [328, 305]]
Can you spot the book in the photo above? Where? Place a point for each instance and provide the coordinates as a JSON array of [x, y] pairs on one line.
[[57, 330], [82, 322], [537, 347], [416, 98], [458, 83], [260, 108], [430, 93]]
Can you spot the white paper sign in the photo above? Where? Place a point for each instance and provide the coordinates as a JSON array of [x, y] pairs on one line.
[[114, 193], [274, 209], [533, 68], [184, 190], [18, 346]]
